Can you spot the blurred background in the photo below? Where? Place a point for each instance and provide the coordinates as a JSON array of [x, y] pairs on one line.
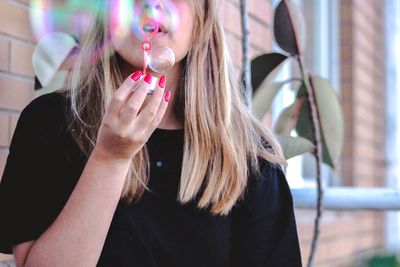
[[354, 44]]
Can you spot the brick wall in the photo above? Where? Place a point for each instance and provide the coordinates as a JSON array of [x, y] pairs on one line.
[[344, 235], [260, 25], [363, 92], [16, 82]]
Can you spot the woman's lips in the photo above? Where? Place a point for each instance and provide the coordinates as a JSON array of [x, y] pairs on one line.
[[160, 34], [150, 26]]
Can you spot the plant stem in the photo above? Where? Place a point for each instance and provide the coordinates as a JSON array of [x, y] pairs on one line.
[[245, 47], [311, 100]]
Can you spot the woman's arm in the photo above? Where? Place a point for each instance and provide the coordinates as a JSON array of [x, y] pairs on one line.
[[264, 228], [78, 234]]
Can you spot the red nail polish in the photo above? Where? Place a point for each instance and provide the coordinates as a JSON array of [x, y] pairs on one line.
[[162, 81], [135, 76], [167, 95], [148, 78]]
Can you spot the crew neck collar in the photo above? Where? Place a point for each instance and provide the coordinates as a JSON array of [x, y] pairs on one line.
[[168, 130], [161, 129]]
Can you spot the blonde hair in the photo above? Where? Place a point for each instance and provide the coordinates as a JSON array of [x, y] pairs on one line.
[[222, 140]]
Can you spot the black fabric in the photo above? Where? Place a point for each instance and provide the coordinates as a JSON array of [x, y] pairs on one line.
[[44, 165]]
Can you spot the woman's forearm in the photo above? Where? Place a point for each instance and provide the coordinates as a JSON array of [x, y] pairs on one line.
[[77, 236]]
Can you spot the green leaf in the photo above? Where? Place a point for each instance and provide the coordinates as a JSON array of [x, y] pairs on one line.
[[284, 123], [289, 27], [262, 66], [294, 146], [332, 121], [262, 99]]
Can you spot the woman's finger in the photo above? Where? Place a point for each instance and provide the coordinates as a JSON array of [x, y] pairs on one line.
[[135, 101], [149, 112], [161, 109], [122, 93]]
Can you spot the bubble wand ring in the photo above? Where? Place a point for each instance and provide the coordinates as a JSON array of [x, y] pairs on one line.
[[149, 28]]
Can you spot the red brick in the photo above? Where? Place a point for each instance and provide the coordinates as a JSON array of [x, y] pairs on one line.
[[15, 93], [21, 58], [4, 54], [4, 129], [260, 36], [262, 10], [231, 18], [3, 159], [13, 124], [15, 20]]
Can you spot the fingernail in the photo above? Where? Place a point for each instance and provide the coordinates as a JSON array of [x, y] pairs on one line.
[[148, 77], [162, 81], [135, 76], [167, 96]]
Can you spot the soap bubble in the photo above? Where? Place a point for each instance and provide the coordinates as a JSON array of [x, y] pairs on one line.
[[68, 16], [121, 16], [161, 59]]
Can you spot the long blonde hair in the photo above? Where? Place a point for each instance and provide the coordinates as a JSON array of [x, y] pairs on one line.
[[222, 140]]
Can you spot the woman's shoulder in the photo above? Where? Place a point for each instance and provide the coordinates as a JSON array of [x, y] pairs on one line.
[[269, 172], [264, 222], [47, 110], [264, 188], [41, 121], [50, 103]]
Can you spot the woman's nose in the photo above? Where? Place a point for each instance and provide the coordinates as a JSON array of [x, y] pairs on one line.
[[152, 4]]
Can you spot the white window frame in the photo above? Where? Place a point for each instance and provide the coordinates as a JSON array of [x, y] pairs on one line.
[[392, 22]]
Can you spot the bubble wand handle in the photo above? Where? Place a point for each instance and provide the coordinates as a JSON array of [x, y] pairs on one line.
[[146, 47]]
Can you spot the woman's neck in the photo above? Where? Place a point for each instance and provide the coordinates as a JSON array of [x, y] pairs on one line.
[[169, 120]]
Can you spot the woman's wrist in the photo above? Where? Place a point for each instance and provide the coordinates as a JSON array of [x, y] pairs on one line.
[[100, 155]]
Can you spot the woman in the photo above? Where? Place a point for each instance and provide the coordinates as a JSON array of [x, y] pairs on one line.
[[101, 176]]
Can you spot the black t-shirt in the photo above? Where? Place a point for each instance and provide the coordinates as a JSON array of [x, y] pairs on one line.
[[44, 165]]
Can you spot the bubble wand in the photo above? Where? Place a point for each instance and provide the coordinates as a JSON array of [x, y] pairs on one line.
[[159, 58]]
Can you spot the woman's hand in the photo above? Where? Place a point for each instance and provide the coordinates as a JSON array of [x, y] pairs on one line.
[[124, 130]]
